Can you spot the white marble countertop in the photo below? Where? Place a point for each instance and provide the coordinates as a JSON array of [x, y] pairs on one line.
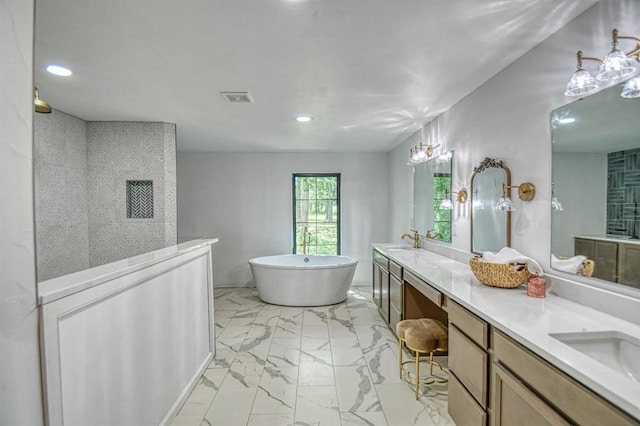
[[529, 320], [609, 238], [63, 286]]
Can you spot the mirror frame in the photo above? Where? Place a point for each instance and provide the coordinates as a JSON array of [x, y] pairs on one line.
[[488, 163]]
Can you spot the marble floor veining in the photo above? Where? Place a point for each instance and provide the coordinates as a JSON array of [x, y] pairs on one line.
[[331, 365]]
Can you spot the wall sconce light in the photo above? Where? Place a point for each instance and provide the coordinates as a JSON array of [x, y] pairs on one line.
[[447, 204], [40, 105], [526, 192], [420, 154], [616, 66]]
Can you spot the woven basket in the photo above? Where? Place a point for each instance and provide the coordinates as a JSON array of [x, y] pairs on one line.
[[501, 275]]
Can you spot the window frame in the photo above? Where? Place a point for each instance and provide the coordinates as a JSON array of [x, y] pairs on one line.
[[338, 201]]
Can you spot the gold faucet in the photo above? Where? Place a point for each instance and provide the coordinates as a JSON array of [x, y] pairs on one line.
[[433, 236], [305, 234], [415, 237]]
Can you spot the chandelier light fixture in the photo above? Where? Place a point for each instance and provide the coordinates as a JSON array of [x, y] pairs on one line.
[[616, 66]]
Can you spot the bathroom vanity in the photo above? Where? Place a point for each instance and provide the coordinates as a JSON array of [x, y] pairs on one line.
[[126, 342], [616, 258], [513, 359]]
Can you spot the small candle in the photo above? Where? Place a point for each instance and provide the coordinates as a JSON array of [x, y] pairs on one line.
[[536, 286]]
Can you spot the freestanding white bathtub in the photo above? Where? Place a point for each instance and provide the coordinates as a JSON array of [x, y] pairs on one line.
[[303, 280]]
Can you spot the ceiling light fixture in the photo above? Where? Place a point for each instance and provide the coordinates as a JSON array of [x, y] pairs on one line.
[[40, 105], [304, 118], [616, 66], [58, 70]]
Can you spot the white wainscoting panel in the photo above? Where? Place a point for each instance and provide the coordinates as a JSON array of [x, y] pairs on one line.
[[129, 351]]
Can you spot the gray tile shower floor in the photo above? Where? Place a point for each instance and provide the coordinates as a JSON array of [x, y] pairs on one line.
[[331, 365]]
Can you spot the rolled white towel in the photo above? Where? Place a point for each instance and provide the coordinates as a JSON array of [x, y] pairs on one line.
[[509, 255], [571, 265]]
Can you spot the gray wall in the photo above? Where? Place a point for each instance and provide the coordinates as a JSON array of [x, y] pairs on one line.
[[62, 223], [20, 391], [121, 151], [508, 118], [582, 189], [81, 171], [245, 200]]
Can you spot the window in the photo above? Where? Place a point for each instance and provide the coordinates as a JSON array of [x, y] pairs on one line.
[[316, 213], [441, 218]]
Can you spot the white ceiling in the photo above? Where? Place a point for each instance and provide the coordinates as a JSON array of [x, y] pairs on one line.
[[371, 72]]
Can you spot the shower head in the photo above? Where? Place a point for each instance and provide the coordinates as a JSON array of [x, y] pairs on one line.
[[40, 105]]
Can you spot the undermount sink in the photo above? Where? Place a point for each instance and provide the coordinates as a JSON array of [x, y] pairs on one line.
[[400, 248], [613, 349]]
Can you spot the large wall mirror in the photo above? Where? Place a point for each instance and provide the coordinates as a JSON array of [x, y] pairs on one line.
[[596, 187], [432, 184], [490, 228]]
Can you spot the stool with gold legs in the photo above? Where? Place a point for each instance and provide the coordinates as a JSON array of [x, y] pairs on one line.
[[422, 336]]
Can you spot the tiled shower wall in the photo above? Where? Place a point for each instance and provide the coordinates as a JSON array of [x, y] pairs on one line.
[[623, 193], [60, 170], [81, 170], [121, 151]]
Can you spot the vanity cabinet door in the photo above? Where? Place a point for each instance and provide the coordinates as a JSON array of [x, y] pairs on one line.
[[395, 301], [384, 295], [377, 284], [514, 404], [629, 264]]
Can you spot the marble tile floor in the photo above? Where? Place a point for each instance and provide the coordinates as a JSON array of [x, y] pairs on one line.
[[331, 365]]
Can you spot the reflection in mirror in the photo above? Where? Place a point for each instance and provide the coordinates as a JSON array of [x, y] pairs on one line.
[[431, 181], [490, 228], [596, 180]]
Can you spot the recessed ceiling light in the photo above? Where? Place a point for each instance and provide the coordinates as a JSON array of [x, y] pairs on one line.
[[58, 70], [567, 120], [303, 118]]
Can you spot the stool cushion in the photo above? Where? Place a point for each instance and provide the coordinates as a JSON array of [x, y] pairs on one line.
[[402, 326], [427, 335]]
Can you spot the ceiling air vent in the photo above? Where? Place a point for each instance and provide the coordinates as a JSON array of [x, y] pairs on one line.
[[237, 97]]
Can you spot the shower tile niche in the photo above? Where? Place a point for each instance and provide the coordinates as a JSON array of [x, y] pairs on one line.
[[139, 199]]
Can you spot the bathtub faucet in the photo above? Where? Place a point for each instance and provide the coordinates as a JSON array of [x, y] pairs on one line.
[[415, 237], [306, 234]]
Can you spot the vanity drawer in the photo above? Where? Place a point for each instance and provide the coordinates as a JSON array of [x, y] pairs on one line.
[[429, 292], [395, 291], [395, 269], [381, 259], [577, 402], [475, 328], [463, 409], [469, 363]]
